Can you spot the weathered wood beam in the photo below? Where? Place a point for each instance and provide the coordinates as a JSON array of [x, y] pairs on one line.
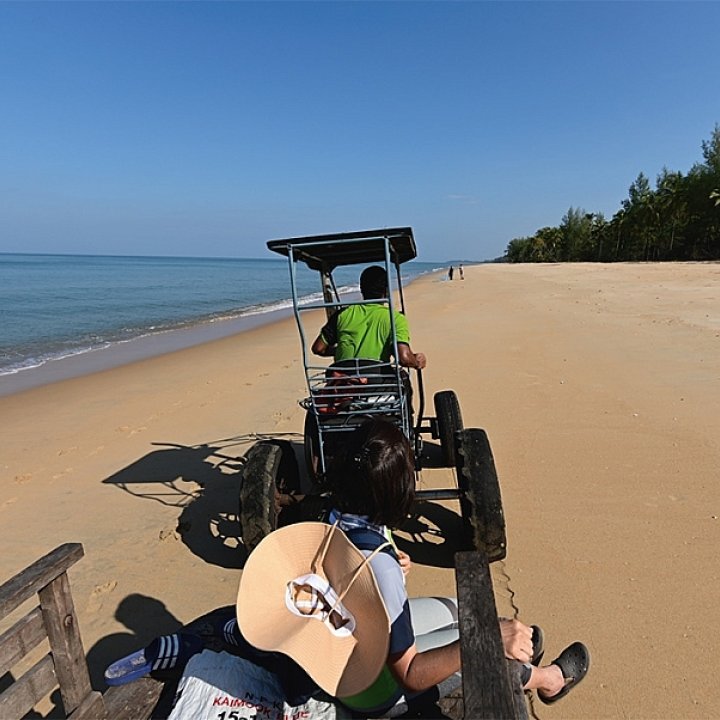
[[33, 578], [490, 688]]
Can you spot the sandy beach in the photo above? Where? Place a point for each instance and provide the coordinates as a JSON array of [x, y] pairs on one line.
[[599, 388]]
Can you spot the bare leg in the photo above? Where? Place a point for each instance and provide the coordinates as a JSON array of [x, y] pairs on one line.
[[549, 680]]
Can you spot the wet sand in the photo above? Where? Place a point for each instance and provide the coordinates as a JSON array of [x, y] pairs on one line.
[[598, 385]]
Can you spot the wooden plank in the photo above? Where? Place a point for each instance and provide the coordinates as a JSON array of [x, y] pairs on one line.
[[26, 634], [65, 643], [134, 701], [36, 576], [91, 708], [28, 690], [487, 686], [521, 706]]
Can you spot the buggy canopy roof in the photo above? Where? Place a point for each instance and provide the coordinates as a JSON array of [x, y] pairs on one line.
[[325, 252]]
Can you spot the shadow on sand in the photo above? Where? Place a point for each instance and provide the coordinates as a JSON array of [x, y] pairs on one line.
[[145, 618], [431, 535], [203, 481]]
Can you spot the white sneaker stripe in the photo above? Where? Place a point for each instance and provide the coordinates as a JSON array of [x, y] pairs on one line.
[[172, 660], [161, 654]]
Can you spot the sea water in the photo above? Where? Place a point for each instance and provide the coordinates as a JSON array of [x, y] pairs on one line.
[[61, 306]]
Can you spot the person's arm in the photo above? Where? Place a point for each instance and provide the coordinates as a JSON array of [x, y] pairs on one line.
[[321, 348], [407, 358], [417, 671], [410, 359], [325, 343], [405, 562]]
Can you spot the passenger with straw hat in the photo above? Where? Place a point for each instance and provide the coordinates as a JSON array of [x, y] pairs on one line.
[[331, 596]]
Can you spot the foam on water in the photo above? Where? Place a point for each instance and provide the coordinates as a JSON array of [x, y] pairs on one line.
[[58, 307]]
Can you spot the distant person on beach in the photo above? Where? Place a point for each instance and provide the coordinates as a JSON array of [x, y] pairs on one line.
[[364, 331], [451, 271], [460, 270]]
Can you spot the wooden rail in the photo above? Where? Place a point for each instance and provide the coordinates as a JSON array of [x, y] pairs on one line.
[[54, 618], [64, 666], [491, 684]]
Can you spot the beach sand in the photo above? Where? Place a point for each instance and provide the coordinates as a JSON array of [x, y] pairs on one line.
[[599, 388]]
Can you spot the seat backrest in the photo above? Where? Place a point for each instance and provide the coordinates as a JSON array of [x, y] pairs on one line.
[[350, 386], [54, 620]]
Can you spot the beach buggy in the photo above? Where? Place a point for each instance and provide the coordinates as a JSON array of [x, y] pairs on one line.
[[343, 395]]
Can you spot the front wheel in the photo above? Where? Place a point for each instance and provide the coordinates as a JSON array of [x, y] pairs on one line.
[[449, 421], [480, 502]]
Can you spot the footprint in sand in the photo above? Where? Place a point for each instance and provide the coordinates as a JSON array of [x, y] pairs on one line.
[[97, 596], [280, 418], [167, 534], [22, 479]]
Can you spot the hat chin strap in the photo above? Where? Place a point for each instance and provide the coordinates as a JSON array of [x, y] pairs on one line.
[[320, 557]]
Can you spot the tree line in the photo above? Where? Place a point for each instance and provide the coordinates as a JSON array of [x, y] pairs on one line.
[[678, 219]]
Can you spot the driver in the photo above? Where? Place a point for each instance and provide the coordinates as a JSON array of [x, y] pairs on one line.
[[365, 331]]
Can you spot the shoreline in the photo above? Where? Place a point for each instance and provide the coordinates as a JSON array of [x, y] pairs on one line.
[[139, 348], [147, 346]]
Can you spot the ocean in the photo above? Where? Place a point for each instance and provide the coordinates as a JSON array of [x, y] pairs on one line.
[[58, 307]]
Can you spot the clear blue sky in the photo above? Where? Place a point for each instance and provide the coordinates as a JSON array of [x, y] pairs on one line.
[[207, 128]]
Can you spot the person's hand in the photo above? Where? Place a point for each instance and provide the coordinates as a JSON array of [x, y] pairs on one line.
[[516, 639], [405, 562], [420, 361]]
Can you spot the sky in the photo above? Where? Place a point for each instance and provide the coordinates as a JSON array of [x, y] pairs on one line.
[[207, 128]]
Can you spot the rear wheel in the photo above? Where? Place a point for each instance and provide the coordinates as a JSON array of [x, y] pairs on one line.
[[480, 502], [270, 471], [449, 421]]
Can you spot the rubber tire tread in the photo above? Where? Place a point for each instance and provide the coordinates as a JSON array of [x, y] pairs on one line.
[[269, 466], [449, 421], [480, 502]]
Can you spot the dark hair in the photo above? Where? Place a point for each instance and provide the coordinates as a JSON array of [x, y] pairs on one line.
[[373, 474], [373, 282]]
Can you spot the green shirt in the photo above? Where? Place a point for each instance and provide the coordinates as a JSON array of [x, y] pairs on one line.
[[364, 331]]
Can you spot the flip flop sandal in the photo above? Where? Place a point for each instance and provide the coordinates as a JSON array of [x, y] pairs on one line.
[[538, 643], [168, 652], [574, 662]]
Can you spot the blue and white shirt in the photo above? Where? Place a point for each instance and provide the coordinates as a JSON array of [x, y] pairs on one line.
[[391, 582]]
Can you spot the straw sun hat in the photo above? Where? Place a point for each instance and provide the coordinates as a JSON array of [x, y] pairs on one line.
[[306, 591]]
